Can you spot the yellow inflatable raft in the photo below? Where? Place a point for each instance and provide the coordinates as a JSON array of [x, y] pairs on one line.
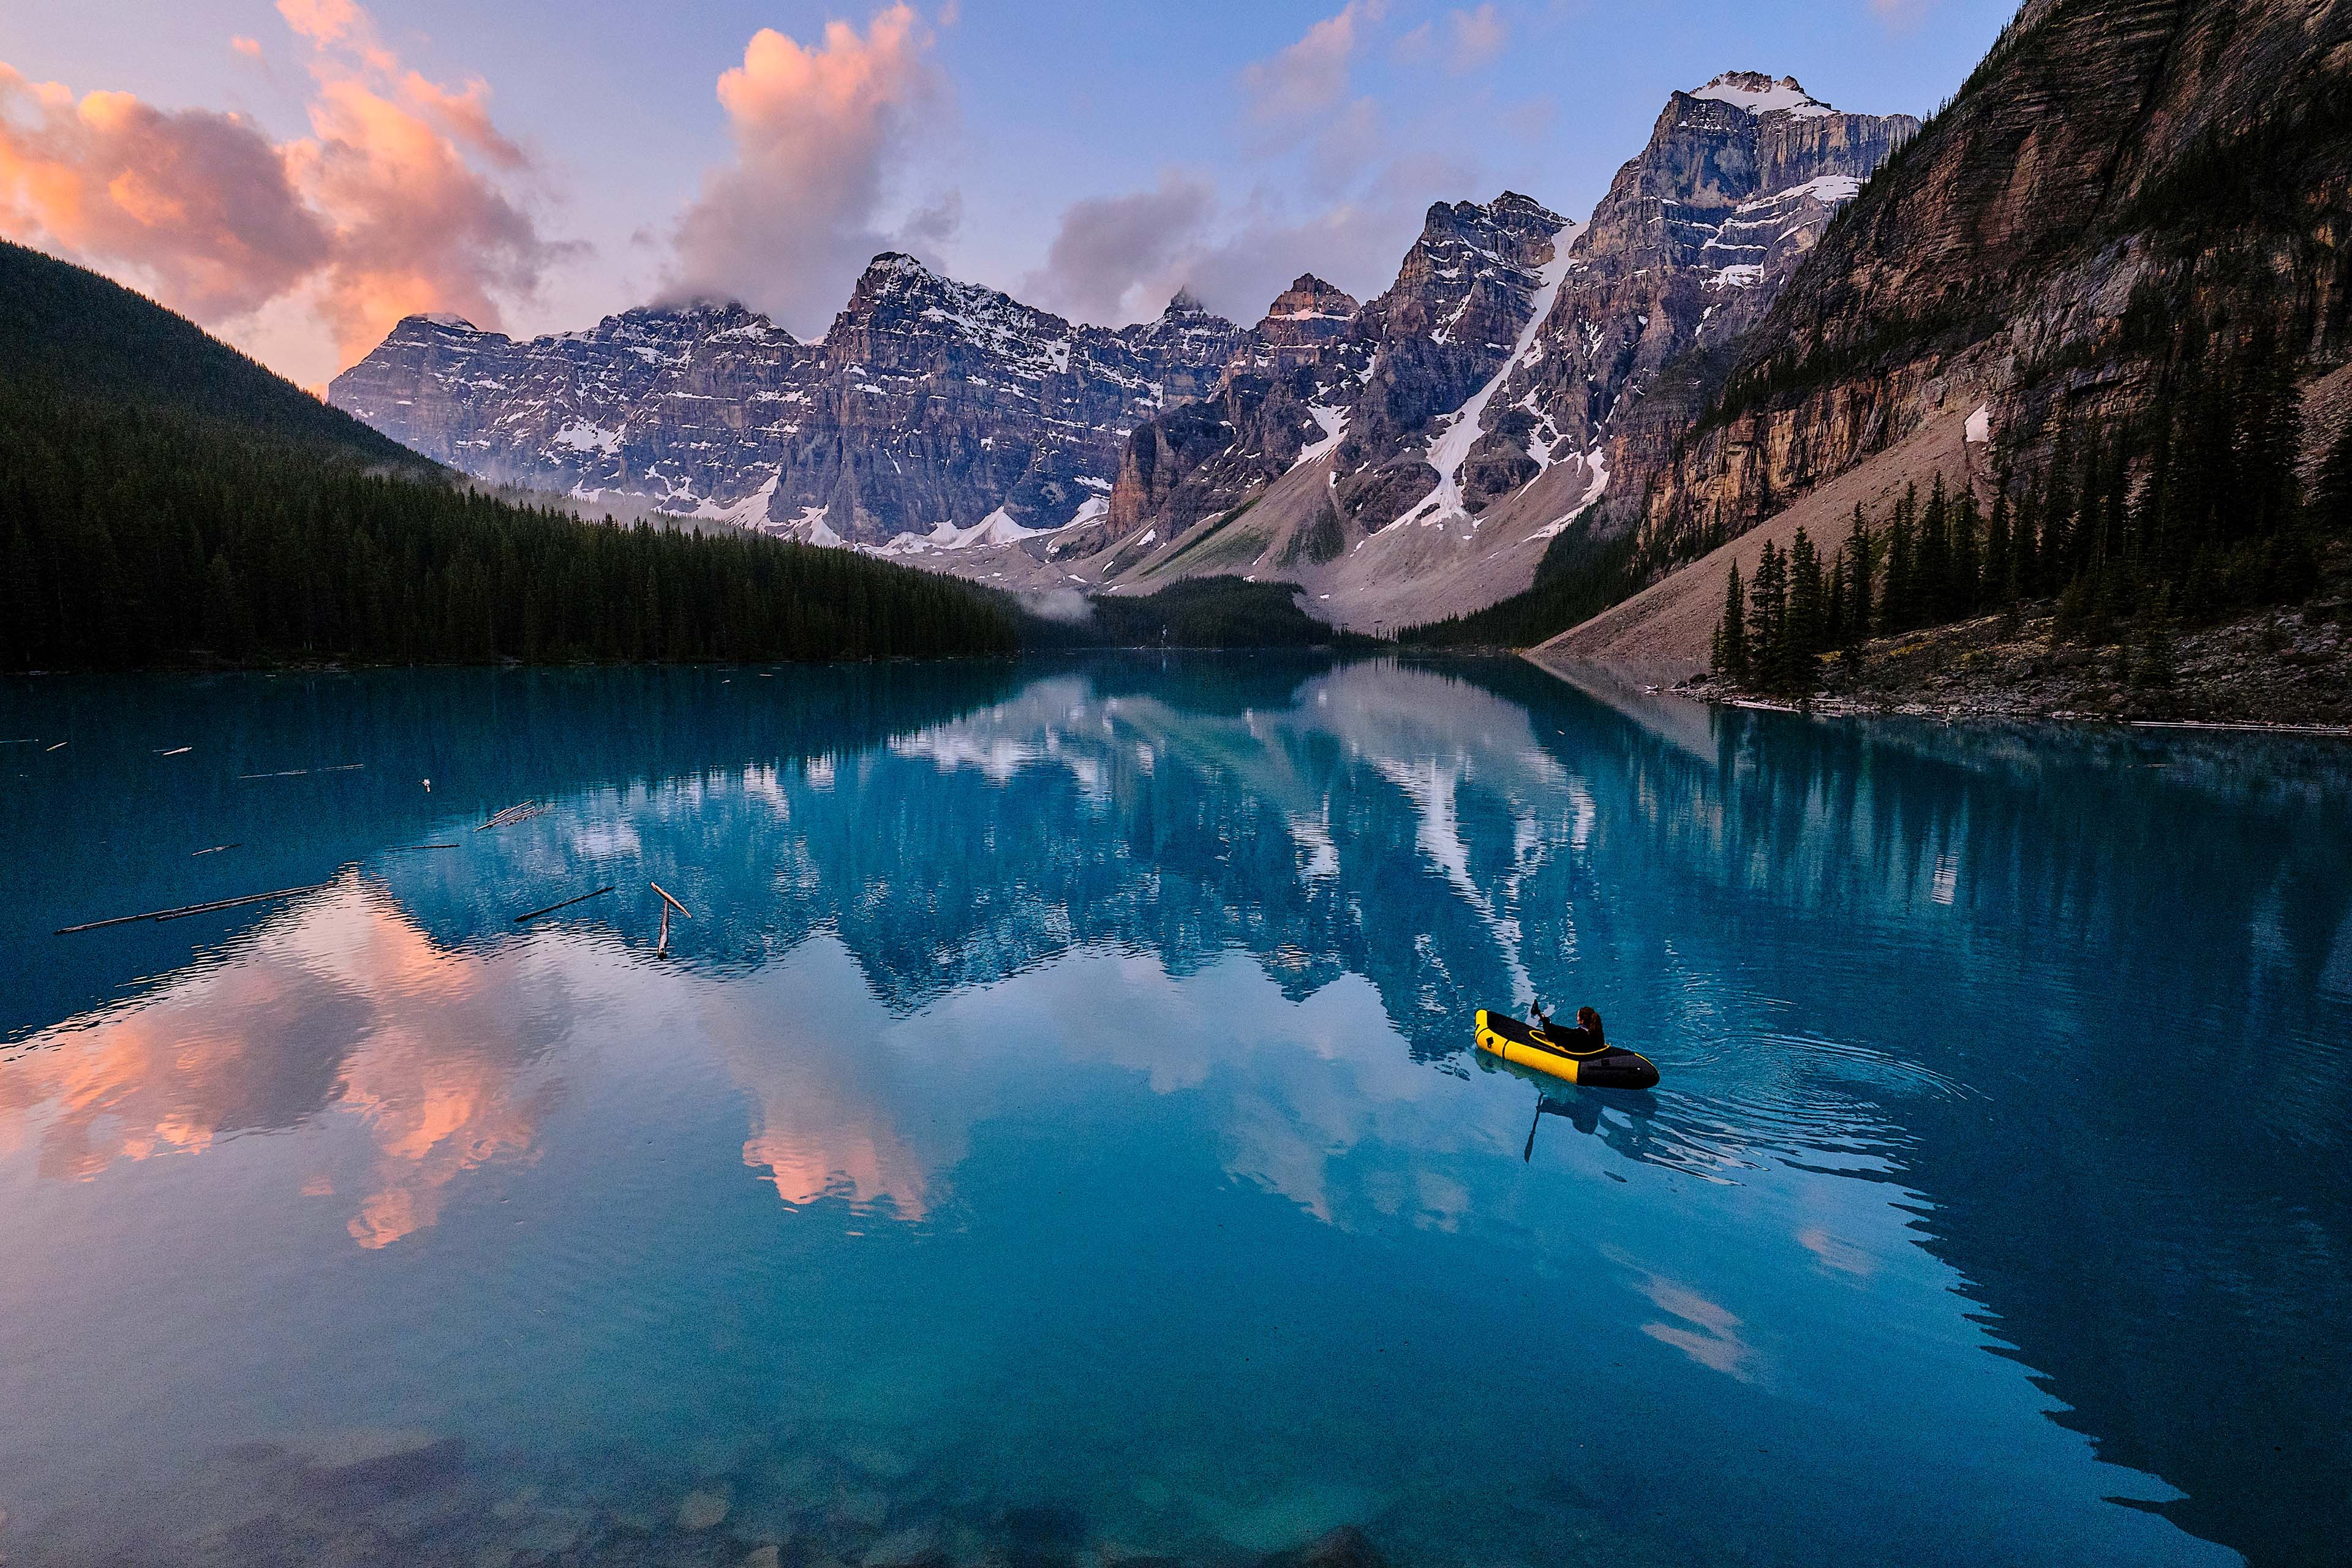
[[1524, 1046]]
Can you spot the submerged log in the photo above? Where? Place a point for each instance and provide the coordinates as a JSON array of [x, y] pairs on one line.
[[187, 910], [564, 905]]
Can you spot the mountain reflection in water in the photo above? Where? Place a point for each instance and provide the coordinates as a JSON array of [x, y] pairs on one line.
[[1065, 1086]]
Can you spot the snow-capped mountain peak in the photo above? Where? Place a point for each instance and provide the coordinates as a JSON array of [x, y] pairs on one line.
[[1760, 94]]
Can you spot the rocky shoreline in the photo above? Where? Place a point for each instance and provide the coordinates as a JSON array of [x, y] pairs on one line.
[[419, 1498], [2288, 670]]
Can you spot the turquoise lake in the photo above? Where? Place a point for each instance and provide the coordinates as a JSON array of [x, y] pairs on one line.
[[1055, 1138]]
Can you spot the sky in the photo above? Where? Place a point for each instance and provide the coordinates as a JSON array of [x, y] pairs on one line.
[[298, 175]]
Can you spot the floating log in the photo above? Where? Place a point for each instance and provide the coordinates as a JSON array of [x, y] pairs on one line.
[[187, 910], [520, 813], [564, 905], [413, 848], [304, 773], [661, 947], [60, 746], [176, 752], [217, 848]]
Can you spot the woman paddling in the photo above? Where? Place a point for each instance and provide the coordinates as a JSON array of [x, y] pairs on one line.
[[1585, 1036]]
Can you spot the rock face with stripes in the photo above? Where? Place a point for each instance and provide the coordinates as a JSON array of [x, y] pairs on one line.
[[1693, 241], [2120, 186], [1434, 436], [1363, 389], [933, 415], [1480, 398]]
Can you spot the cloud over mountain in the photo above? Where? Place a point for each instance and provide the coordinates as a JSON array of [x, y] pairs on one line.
[[790, 222]]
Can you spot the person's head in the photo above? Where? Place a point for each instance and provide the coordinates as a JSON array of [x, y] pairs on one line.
[[1589, 1020]]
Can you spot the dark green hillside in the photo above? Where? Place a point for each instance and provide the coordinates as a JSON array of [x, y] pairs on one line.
[[165, 498], [91, 339]]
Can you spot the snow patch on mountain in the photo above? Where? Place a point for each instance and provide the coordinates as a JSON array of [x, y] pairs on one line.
[[1760, 94], [1451, 447], [751, 512], [1334, 423], [582, 436]]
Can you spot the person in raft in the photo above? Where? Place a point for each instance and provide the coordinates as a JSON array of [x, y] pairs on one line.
[[1586, 1036]]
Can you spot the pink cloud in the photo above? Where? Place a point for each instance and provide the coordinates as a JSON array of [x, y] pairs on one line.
[[197, 206], [1478, 36], [1311, 75], [415, 227], [817, 131], [394, 203]]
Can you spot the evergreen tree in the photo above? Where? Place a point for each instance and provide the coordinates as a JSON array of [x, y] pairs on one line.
[[1807, 610], [1834, 616], [1770, 664], [2269, 439], [2155, 667], [1731, 634], [1931, 592], [2025, 547], [1999, 577], [1898, 610], [1968, 591], [2053, 518], [1861, 557]]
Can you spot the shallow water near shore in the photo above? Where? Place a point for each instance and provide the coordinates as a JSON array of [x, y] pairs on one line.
[[1054, 1137]]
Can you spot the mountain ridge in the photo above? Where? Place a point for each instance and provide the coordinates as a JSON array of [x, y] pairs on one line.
[[950, 424]]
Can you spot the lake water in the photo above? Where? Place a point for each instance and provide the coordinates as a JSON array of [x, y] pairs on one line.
[[1054, 1137]]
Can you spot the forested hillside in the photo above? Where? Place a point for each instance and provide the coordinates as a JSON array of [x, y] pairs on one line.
[[2115, 258], [164, 499]]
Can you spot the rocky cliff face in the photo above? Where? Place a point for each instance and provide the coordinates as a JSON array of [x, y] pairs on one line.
[[1483, 398], [1513, 343], [627, 407], [933, 414], [2117, 175], [1362, 386], [1696, 238]]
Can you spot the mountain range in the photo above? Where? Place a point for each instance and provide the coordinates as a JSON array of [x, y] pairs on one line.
[[1399, 457], [2101, 298]]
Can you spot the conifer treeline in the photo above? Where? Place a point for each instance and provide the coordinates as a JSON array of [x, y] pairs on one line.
[[160, 493], [2201, 515], [131, 537]]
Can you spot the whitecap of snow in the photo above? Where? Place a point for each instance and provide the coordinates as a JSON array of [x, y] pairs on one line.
[[812, 519], [1776, 97], [751, 512], [998, 527], [1831, 189], [1596, 464], [1452, 449], [1334, 421], [1980, 428], [582, 436]]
